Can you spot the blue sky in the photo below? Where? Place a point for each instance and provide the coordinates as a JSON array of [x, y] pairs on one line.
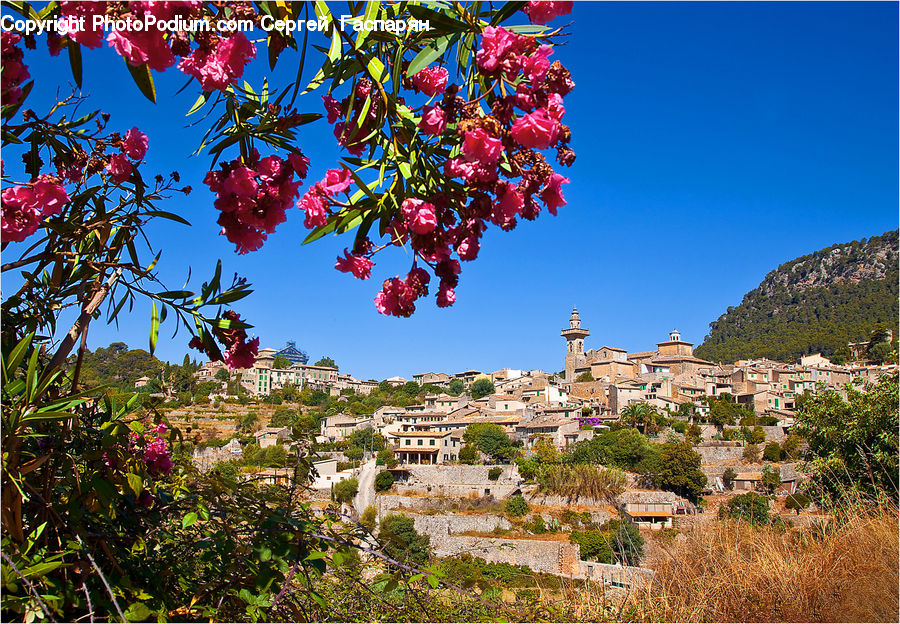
[[715, 141]]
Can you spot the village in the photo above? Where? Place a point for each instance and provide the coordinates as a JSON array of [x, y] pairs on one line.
[[425, 460]]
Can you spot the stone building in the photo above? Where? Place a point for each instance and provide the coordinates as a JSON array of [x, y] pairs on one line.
[[574, 335]]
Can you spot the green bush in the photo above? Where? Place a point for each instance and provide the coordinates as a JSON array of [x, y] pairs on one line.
[[468, 455], [594, 545], [797, 502], [772, 452], [517, 506], [749, 507], [494, 473], [384, 480], [345, 490], [401, 540], [536, 526]]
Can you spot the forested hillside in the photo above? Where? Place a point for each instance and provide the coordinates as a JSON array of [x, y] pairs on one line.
[[815, 303], [119, 367]]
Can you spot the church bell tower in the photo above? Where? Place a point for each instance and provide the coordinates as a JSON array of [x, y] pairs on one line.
[[574, 336]]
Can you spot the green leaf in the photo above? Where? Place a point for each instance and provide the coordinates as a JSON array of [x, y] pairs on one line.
[[143, 80], [372, 7], [74, 50], [137, 612], [429, 53], [154, 328], [135, 483], [188, 520], [200, 103]]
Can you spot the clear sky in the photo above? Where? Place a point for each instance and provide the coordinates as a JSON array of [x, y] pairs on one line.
[[715, 141]]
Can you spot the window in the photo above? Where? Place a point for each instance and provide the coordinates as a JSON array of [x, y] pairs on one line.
[[420, 442], [408, 442], [431, 442]]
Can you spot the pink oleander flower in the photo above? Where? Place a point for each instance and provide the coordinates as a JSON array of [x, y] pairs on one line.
[[359, 266], [135, 144], [313, 204], [501, 51], [434, 121], [468, 248], [299, 163], [418, 215], [336, 181], [396, 298], [119, 168], [253, 195], [446, 296], [511, 202], [333, 108], [431, 80], [555, 109], [221, 67], [13, 72], [480, 147], [536, 130], [88, 36], [543, 11], [242, 354], [140, 47], [552, 193], [22, 208], [535, 66], [158, 458]]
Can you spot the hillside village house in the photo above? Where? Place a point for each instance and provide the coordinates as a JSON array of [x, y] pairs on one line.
[[340, 426], [434, 379], [425, 446]]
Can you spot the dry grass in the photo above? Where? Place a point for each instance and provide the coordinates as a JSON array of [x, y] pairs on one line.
[[582, 481], [727, 572]]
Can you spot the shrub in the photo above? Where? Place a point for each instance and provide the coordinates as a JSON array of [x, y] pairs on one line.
[[401, 540], [594, 545], [536, 526], [517, 506], [751, 453], [384, 480], [728, 477], [345, 490], [369, 517], [772, 452], [494, 473], [749, 507], [468, 455], [797, 502], [386, 457]]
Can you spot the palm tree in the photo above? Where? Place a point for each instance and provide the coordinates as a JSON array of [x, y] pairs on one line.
[[637, 415]]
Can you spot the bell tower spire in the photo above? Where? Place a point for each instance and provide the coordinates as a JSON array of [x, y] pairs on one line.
[[574, 336]]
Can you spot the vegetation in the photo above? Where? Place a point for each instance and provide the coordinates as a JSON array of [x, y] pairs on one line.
[[626, 449], [517, 506], [584, 377], [679, 471], [482, 388], [815, 303], [456, 387], [731, 571], [494, 473], [772, 452], [345, 491], [384, 480], [581, 481], [326, 361], [281, 362], [490, 439], [749, 507], [797, 502], [852, 444], [402, 542]]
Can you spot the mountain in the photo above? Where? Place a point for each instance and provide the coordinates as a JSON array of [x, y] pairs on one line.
[[815, 303]]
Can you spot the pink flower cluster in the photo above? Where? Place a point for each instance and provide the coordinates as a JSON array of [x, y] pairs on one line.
[[503, 144], [240, 352], [431, 80], [353, 132], [253, 196], [13, 72], [22, 208], [134, 146], [217, 63], [543, 11], [219, 67], [317, 201], [157, 455]]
